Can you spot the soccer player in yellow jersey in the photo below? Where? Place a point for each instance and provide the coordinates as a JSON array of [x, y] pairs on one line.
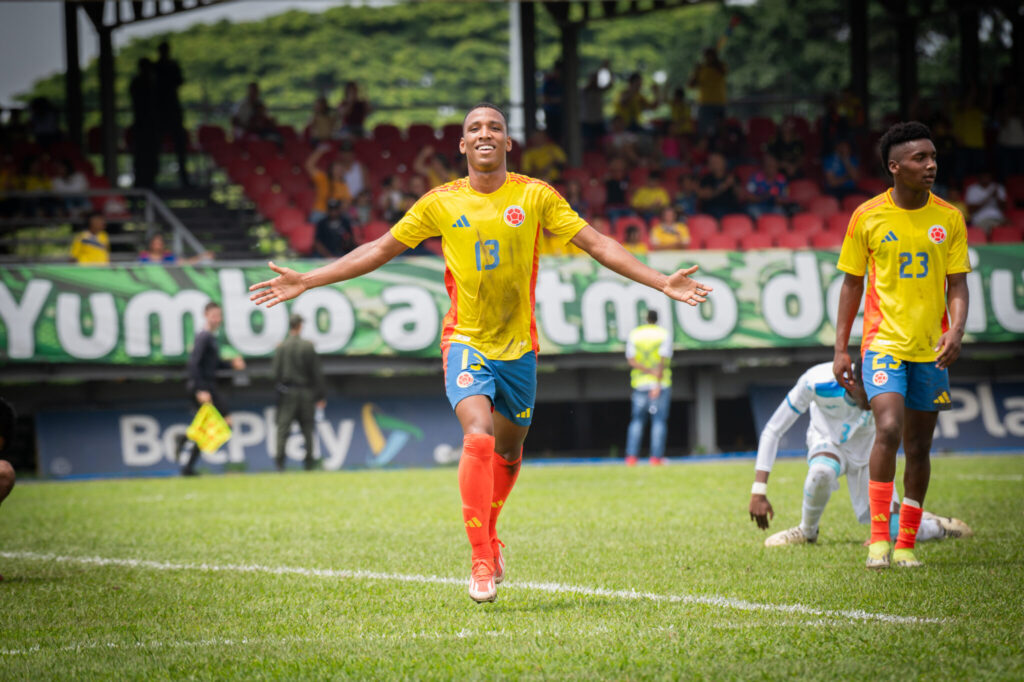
[[489, 224], [913, 247]]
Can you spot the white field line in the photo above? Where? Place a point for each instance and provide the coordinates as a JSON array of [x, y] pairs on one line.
[[988, 477], [554, 588]]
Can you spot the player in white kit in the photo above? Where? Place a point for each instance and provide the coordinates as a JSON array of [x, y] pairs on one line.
[[839, 440]]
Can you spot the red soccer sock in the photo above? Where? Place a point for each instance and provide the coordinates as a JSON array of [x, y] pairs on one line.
[[880, 500], [910, 521], [505, 475], [476, 484]]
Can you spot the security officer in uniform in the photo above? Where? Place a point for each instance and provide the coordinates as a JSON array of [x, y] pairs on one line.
[[300, 385], [649, 352]]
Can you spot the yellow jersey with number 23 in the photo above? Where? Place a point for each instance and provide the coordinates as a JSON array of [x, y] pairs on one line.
[[907, 256], [490, 244]]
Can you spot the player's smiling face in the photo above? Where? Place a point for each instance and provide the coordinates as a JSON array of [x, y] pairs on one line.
[[913, 164], [485, 140]]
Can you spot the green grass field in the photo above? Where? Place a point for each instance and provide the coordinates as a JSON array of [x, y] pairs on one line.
[[613, 573]]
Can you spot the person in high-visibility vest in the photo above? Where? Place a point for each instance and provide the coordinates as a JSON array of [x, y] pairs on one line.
[[649, 352]]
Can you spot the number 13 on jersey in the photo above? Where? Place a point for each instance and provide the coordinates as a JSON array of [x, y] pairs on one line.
[[487, 256]]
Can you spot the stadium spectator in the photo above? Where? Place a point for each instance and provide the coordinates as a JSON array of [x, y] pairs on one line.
[[7, 421], [767, 189], [355, 174], [788, 149], [616, 187], [621, 143], [718, 188], [946, 151], [334, 237], [157, 252], [145, 134], [1010, 138], [329, 185], [841, 171], [543, 159], [633, 241], [650, 198], [680, 114], [323, 123], [433, 166], [417, 188], [631, 103], [649, 353], [832, 127], [246, 109], [71, 183], [391, 199], [263, 126], [969, 128], [552, 94], [686, 196], [301, 390], [986, 202], [709, 77], [956, 198], [576, 200], [203, 364], [353, 110], [91, 246], [668, 232], [170, 120], [491, 377], [592, 106]]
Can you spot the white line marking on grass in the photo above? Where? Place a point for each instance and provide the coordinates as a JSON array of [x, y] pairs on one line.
[[554, 588], [988, 477]]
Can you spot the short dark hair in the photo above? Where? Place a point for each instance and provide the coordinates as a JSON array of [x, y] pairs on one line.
[[210, 306], [652, 317], [485, 105], [897, 134]]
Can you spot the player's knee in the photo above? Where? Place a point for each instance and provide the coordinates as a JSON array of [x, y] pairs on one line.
[[6, 478], [821, 476], [888, 430]]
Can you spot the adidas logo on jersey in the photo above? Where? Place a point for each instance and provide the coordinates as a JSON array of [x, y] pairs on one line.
[[525, 414], [890, 237], [463, 221], [942, 399]]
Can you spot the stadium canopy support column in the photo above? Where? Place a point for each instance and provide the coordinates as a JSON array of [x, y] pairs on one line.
[[73, 79], [528, 28], [571, 132], [907, 46], [969, 48], [704, 416], [1017, 54], [859, 64], [107, 104]]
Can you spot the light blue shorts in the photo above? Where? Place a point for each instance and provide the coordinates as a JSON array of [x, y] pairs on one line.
[[923, 386], [510, 384]]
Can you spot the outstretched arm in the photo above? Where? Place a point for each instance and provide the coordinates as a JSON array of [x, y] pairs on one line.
[[289, 283], [613, 256], [849, 304]]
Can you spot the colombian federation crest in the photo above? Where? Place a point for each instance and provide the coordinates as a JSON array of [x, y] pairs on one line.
[[937, 233], [880, 378], [464, 380], [514, 216]]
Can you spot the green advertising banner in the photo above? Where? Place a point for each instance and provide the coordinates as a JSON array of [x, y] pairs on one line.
[[148, 314]]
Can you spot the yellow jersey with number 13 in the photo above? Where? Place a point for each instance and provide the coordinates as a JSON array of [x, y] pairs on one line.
[[490, 244], [907, 255]]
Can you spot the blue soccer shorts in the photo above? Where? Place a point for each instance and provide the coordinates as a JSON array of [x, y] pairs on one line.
[[923, 386], [510, 384]]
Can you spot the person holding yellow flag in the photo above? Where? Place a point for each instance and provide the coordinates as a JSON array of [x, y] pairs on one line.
[[203, 364]]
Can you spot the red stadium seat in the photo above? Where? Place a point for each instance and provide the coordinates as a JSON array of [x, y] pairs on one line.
[[823, 206], [580, 175], [304, 200], [760, 131], [638, 176], [433, 245], [625, 222], [595, 195], [721, 242], [872, 186], [301, 239], [420, 135], [375, 230], [387, 135], [257, 185], [271, 203], [702, 226], [755, 241], [976, 235], [1015, 217], [261, 149], [737, 225], [838, 223], [851, 202], [772, 224], [1015, 189], [1006, 234], [793, 240], [802, 191], [807, 223], [288, 220], [827, 240], [744, 171]]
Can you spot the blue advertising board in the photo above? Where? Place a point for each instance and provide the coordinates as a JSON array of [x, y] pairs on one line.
[[389, 433], [984, 416]]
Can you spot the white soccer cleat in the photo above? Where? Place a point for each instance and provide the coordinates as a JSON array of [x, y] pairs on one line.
[[499, 561], [481, 581], [954, 528], [792, 536]]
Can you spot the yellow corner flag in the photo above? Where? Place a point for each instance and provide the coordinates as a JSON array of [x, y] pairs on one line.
[[208, 429]]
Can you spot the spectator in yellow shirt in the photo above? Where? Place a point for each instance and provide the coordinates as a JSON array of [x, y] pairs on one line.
[[682, 116], [668, 232], [651, 198], [92, 245], [328, 186], [543, 159], [634, 242], [709, 79], [631, 103]]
